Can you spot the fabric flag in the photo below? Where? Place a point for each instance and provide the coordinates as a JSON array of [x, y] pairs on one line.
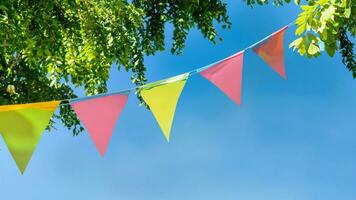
[[271, 51], [99, 116], [22, 126], [162, 97], [227, 76]]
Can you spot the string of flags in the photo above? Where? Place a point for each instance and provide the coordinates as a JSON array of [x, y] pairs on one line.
[[22, 125]]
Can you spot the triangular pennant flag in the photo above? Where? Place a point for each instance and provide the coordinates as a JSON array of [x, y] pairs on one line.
[[162, 97], [227, 76], [99, 116], [22, 126], [271, 51]]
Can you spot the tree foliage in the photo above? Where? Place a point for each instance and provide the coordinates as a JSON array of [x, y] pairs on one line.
[[324, 25], [49, 47]]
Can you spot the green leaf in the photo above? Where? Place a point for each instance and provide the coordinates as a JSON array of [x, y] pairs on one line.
[[301, 49], [312, 38], [327, 14], [330, 50], [47, 52], [300, 30], [323, 2], [305, 7], [313, 49], [296, 43], [347, 12]]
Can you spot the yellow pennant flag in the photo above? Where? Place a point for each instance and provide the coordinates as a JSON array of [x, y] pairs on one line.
[[22, 126], [162, 97]]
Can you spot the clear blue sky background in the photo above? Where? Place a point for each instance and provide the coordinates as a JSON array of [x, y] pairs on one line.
[[290, 140]]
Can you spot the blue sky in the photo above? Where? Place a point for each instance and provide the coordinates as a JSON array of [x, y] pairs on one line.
[[289, 140]]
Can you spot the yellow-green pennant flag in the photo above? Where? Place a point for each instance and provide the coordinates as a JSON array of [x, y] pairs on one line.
[[162, 97], [22, 126]]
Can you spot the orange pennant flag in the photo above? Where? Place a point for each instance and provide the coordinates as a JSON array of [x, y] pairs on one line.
[[272, 52]]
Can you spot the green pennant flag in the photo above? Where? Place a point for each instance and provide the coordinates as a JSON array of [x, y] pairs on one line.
[[22, 126], [162, 97]]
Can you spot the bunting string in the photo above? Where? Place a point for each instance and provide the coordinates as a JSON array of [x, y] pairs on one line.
[[191, 73], [22, 125]]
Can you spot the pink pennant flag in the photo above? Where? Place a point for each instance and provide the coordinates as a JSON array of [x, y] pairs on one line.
[[271, 51], [99, 116], [227, 76]]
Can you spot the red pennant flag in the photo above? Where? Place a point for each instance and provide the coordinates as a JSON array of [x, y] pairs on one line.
[[271, 51], [99, 116], [227, 76]]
